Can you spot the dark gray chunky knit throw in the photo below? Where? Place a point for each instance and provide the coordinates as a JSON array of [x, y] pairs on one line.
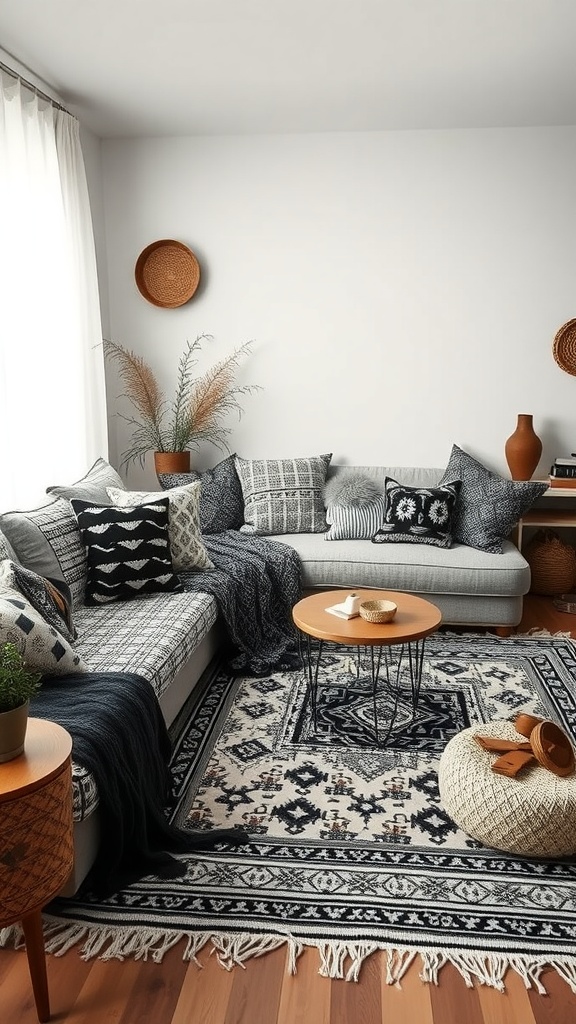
[[256, 583]]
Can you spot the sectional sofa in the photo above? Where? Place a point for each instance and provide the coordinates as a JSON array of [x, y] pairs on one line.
[[170, 637]]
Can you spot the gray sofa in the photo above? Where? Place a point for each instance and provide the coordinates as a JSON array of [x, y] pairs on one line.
[[170, 638], [470, 587]]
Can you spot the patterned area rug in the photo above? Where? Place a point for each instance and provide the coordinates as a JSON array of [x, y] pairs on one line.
[[352, 850]]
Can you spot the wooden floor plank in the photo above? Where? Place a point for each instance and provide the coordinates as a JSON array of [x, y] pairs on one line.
[[558, 1006], [410, 1000], [358, 1001], [157, 989], [205, 993], [16, 997], [305, 996], [452, 1002], [107, 992], [509, 1007], [256, 988]]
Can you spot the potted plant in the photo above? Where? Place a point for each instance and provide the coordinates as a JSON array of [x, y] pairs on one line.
[[18, 684], [196, 413]]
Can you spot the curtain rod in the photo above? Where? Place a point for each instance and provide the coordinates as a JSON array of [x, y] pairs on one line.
[[33, 88]]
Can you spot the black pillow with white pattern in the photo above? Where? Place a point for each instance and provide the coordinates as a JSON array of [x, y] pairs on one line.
[[128, 550], [418, 515]]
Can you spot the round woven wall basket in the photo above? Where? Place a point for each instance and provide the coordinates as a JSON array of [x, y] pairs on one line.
[[565, 347], [552, 563], [167, 273]]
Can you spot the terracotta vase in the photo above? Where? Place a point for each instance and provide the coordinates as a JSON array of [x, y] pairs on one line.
[[172, 462], [523, 449]]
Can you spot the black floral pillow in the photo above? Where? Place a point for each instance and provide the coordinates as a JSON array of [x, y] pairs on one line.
[[418, 515]]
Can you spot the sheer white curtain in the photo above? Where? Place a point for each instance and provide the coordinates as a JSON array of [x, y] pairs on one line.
[[52, 390]]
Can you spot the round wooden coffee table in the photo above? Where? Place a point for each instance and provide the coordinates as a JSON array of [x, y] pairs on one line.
[[415, 619]]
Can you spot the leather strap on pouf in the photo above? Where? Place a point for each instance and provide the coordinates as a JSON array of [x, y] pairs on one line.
[[547, 744]]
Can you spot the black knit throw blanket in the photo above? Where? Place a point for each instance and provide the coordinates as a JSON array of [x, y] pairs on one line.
[[256, 583], [118, 734]]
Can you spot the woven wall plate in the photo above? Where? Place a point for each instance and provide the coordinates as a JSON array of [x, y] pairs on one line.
[[167, 273], [565, 347]]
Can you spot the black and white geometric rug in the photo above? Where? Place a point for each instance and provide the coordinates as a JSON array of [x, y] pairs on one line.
[[351, 848]]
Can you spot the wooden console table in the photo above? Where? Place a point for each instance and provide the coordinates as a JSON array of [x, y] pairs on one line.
[[555, 510], [36, 847]]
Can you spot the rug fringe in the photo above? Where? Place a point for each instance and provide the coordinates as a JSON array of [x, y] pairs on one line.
[[337, 959]]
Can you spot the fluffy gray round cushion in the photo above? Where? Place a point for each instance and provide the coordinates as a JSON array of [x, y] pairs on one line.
[[351, 488]]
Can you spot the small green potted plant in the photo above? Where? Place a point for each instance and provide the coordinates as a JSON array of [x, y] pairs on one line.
[[18, 684]]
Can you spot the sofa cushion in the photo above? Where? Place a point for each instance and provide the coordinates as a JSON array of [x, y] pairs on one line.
[[221, 501], [42, 646], [355, 522], [186, 544], [51, 598], [418, 515], [47, 541], [92, 486], [488, 506], [283, 495], [152, 635], [127, 548]]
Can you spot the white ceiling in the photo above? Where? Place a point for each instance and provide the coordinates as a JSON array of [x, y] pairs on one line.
[[185, 67]]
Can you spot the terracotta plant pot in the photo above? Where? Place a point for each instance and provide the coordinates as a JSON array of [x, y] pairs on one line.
[[523, 449], [172, 462], [13, 731]]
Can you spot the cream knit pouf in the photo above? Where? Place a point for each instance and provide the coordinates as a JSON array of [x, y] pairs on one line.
[[533, 814]]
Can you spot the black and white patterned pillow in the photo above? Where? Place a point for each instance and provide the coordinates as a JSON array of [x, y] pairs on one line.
[[42, 647], [127, 548], [186, 544], [488, 506], [418, 515], [283, 495], [51, 598], [355, 522], [221, 502]]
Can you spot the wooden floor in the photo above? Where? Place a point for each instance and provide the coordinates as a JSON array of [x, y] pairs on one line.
[[97, 992]]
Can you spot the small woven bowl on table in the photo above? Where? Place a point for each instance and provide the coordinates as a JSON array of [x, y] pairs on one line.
[[378, 611]]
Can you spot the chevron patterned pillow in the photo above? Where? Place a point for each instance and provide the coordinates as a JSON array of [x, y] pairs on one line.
[[128, 550]]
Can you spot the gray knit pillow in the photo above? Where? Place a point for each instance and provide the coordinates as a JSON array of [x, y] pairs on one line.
[[488, 506]]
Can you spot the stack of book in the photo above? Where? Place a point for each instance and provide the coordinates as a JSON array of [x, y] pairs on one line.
[[563, 473]]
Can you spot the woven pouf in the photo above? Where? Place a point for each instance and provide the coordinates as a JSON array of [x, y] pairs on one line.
[[533, 814]]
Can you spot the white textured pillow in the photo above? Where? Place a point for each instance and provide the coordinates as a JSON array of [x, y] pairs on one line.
[[186, 544], [43, 647]]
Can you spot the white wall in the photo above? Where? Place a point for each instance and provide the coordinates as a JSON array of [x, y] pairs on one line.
[[403, 289]]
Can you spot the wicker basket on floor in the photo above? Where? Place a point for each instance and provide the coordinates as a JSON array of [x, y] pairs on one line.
[[552, 563]]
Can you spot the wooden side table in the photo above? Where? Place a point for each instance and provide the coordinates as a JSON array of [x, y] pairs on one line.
[[36, 846]]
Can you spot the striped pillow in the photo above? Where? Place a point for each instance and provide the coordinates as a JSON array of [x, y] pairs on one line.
[[355, 522]]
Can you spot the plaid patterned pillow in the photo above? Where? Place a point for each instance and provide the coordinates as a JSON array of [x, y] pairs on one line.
[[283, 495]]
